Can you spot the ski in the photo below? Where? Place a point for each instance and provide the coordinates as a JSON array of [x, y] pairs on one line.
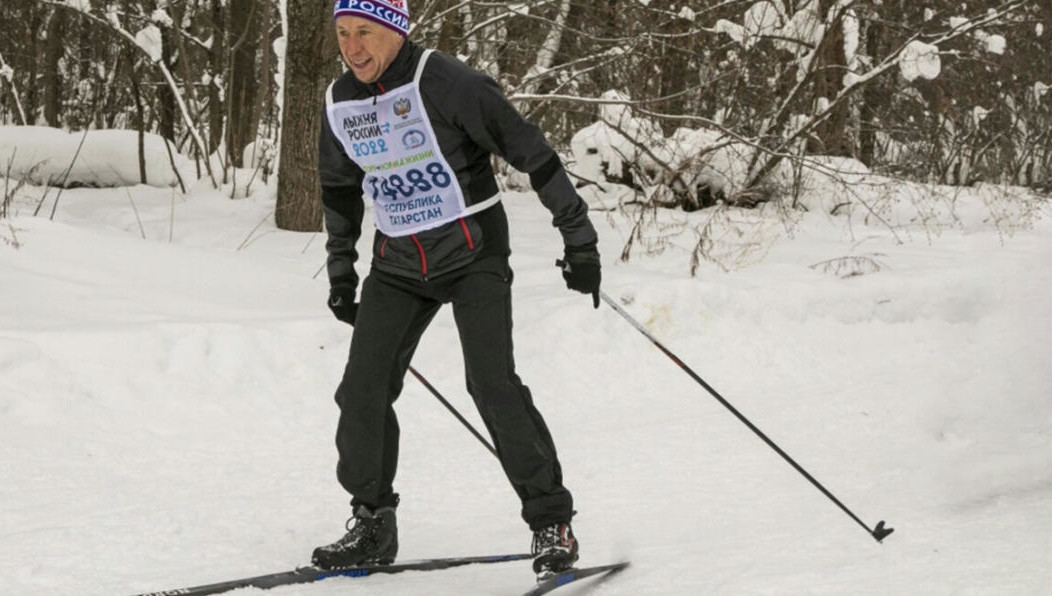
[[571, 575], [303, 575]]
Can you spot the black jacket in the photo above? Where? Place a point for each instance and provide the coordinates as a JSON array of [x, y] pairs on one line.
[[472, 120]]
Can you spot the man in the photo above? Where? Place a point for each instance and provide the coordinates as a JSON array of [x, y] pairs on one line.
[[414, 130]]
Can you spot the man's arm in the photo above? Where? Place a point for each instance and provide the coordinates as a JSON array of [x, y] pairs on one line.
[[341, 197], [494, 124]]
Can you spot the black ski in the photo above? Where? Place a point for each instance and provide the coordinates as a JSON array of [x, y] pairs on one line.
[[304, 575], [571, 575]]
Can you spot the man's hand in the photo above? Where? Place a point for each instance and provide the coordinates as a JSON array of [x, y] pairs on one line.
[[342, 304], [580, 266]]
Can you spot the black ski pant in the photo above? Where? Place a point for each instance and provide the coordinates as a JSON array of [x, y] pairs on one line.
[[393, 313]]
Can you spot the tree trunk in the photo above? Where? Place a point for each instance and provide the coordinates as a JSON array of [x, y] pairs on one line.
[[56, 28], [546, 53], [216, 105], [140, 123], [242, 86], [259, 109], [310, 63], [36, 23], [830, 136], [167, 115], [875, 95]]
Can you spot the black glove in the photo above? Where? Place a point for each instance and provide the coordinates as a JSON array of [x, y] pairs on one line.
[[580, 265], [342, 304]]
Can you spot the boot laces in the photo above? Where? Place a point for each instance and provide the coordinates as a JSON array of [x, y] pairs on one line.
[[361, 525], [553, 537]]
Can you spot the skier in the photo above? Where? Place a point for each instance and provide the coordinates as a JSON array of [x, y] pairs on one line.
[[414, 131]]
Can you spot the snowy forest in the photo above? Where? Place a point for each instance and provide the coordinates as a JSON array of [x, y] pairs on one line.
[[695, 103], [835, 212]]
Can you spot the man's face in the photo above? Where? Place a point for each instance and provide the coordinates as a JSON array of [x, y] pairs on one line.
[[368, 48]]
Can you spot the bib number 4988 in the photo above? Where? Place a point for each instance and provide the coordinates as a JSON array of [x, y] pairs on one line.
[[395, 186]]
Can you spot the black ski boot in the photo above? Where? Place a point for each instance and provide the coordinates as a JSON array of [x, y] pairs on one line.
[[371, 540], [554, 550]]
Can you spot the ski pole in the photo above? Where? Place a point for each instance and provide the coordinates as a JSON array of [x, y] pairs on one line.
[[879, 532], [453, 410]]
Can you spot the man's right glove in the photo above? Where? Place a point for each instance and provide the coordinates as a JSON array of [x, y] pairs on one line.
[[580, 265], [342, 304]]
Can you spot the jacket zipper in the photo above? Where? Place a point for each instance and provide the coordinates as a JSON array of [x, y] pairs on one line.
[[419, 250], [467, 234], [420, 247]]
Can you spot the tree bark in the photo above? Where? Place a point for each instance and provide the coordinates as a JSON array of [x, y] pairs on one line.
[[242, 86], [546, 53], [874, 96], [216, 105], [310, 63], [830, 137], [140, 124], [167, 114], [52, 78]]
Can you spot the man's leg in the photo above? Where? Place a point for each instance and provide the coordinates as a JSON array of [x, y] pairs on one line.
[[388, 326], [482, 310]]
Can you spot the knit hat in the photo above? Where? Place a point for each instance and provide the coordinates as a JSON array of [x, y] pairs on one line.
[[390, 13]]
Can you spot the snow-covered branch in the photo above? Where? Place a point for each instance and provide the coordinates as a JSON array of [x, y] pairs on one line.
[[147, 45], [857, 82]]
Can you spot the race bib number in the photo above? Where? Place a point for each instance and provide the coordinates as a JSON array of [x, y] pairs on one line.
[[390, 138]]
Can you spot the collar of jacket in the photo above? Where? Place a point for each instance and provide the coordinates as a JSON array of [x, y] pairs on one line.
[[399, 72]]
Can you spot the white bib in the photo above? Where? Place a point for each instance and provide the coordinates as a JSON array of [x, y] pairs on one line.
[[390, 138]]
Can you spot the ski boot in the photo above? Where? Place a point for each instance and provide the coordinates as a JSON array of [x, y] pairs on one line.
[[554, 550], [371, 539]]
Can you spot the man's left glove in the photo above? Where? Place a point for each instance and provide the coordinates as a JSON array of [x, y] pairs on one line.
[[580, 265], [342, 304]]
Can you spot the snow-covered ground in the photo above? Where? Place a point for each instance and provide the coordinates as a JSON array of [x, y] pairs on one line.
[[166, 406]]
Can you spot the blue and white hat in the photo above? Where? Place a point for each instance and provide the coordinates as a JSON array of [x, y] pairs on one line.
[[390, 13]]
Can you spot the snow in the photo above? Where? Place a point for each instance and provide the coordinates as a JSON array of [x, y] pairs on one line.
[[605, 141], [798, 33], [763, 17], [81, 5], [734, 30], [852, 39], [161, 17], [979, 114], [995, 44], [44, 155], [166, 381], [520, 9], [920, 60], [1040, 89], [804, 31], [149, 39], [760, 19]]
